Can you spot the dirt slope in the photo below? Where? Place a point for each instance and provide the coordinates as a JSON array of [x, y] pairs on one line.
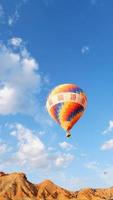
[[15, 186]]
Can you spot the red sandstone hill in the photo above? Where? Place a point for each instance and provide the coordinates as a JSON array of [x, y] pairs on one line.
[[15, 186]]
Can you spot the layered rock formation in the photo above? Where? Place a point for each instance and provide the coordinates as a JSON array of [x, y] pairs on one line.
[[15, 186]]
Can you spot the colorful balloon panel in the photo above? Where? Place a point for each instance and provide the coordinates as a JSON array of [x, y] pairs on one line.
[[66, 104]]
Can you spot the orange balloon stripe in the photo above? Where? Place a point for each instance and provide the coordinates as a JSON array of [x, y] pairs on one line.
[[74, 106], [63, 112], [67, 110]]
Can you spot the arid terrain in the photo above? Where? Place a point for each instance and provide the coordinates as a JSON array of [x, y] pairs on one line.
[[15, 186]]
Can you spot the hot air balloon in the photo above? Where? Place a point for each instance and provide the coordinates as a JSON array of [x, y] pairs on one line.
[[66, 103]]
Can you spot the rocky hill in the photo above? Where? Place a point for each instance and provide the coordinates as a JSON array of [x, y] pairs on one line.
[[15, 186]]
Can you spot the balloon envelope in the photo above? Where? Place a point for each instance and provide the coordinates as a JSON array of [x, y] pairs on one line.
[[66, 104]]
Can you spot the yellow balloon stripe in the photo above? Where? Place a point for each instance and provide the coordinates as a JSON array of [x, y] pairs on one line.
[[63, 112], [63, 88]]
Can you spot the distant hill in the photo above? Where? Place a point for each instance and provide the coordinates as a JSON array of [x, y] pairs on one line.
[[15, 186]]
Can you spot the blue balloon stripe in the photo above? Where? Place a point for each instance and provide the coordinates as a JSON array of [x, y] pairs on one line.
[[57, 111], [75, 112], [77, 90]]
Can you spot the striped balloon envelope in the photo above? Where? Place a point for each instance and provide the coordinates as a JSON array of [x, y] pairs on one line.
[[66, 103]]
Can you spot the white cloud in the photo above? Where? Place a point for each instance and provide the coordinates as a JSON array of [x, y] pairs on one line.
[[13, 18], [15, 41], [31, 150], [47, 2], [110, 127], [3, 147], [84, 155], [107, 145], [32, 153], [63, 160], [2, 14], [25, 1], [20, 80], [92, 165], [8, 100], [93, 2], [85, 50], [10, 21], [66, 146]]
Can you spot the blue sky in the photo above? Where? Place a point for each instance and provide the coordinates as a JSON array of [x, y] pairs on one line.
[[45, 43]]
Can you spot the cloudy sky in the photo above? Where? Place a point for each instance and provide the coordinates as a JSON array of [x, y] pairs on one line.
[[44, 43]]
